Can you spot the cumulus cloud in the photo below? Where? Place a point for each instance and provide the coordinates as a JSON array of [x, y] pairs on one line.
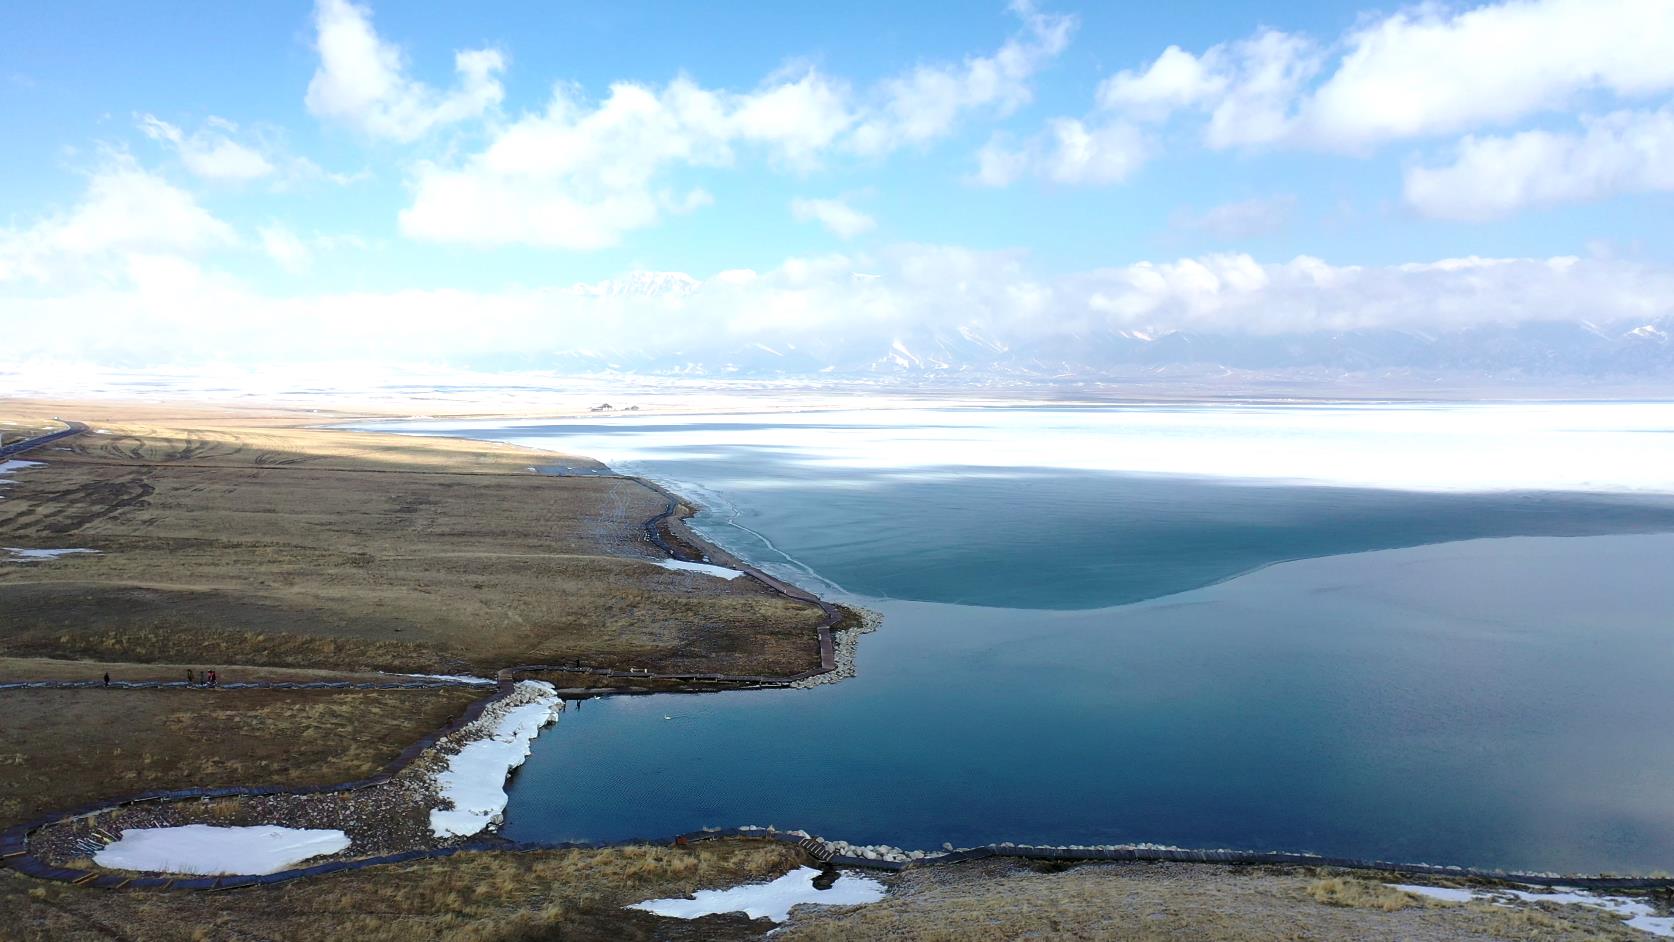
[[582, 174], [838, 217], [1423, 71], [927, 103], [1068, 151], [210, 152], [1246, 89], [579, 176], [1625, 152], [363, 81], [1431, 70], [126, 213]]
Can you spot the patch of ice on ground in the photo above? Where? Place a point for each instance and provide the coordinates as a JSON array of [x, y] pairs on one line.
[[1637, 913], [704, 568], [460, 678], [772, 900], [210, 850], [15, 464], [474, 782], [19, 554]]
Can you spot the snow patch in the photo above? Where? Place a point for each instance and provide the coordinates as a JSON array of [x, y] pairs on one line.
[[1446, 894], [1637, 913], [473, 786], [704, 568], [21, 555], [772, 900], [210, 850]]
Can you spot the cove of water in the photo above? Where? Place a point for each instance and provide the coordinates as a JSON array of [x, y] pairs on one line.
[[1419, 633]]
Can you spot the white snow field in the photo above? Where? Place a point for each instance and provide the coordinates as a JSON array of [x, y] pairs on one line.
[[1422, 446], [208, 850], [772, 900], [705, 568], [474, 781], [1638, 914]]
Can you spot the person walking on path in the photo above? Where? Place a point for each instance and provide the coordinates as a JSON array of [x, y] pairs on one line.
[[188, 677], [107, 678], [212, 678]]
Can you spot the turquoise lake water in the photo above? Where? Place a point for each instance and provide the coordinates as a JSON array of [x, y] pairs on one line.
[[1421, 633]]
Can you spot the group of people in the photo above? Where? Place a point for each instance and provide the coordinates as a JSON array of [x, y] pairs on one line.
[[200, 679]]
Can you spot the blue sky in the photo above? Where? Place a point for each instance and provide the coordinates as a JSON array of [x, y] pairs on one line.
[[276, 167]]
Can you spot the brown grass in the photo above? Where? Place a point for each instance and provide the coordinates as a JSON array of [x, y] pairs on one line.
[[347, 550], [63, 748], [1362, 893], [1174, 903], [482, 897]]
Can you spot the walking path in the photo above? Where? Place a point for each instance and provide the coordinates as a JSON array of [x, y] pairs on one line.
[[30, 444]]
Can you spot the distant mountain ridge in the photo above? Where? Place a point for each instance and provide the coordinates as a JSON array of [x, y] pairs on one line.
[[1538, 349]]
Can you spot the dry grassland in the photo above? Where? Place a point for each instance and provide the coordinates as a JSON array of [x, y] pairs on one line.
[[996, 900], [64, 748], [347, 550], [569, 895]]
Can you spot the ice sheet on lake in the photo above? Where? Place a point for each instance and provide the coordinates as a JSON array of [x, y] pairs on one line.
[[705, 568], [209, 850], [1637, 913], [1433, 446], [474, 781], [772, 900]]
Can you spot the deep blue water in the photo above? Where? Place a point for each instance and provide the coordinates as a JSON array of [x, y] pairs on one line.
[[1087, 655]]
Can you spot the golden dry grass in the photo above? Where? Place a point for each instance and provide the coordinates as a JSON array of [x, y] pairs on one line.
[[483, 897], [1175, 903], [63, 748], [346, 550]]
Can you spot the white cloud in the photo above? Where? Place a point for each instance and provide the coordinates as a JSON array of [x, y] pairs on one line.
[[210, 152], [1423, 71], [1626, 152], [1429, 70], [927, 103], [1246, 88], [286, 248], [1069, 151], [362, 80], [581, 175], [170, 311], [841, 219], [1240, 219], [126, 212]]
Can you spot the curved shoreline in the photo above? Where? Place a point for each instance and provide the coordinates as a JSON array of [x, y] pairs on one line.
[[15, 850]]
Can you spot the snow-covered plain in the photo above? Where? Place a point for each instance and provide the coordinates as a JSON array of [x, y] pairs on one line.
[[474, 781], [772, 900], [1636, 913], [209, 850], [705, 568]]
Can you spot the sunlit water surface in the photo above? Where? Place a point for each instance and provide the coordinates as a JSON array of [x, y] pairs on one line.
[[1426, 633]]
